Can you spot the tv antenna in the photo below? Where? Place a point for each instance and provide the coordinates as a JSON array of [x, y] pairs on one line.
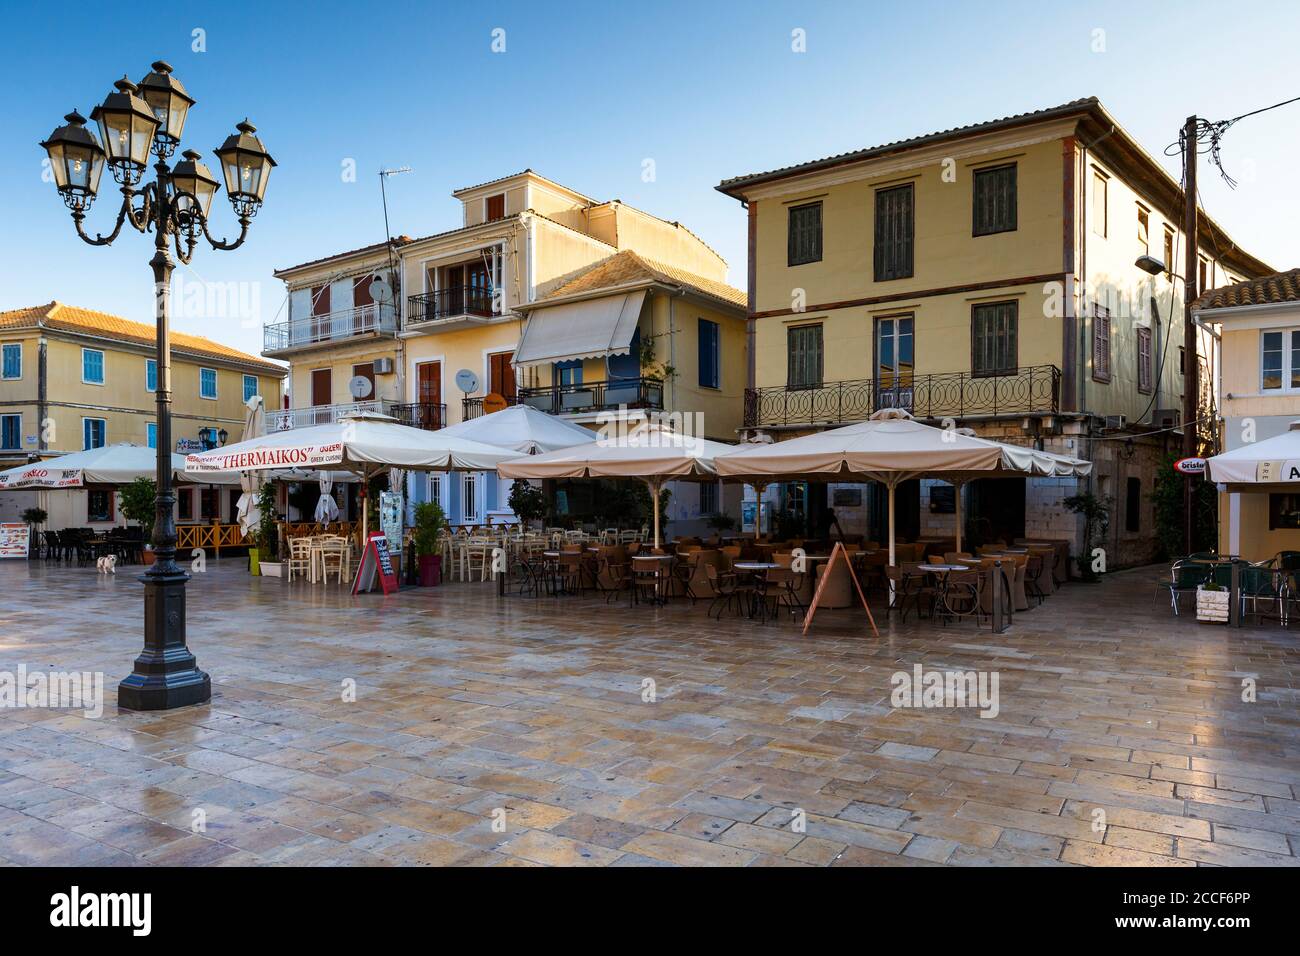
[[383, 178]]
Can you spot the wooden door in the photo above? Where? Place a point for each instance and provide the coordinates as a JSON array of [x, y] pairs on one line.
[[502, 375], [320, 311], [360, 298], [322, 386], [428, 392], [453, 290], [367, 371], [478, 295]]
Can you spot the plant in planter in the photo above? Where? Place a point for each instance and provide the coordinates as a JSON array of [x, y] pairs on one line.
[[430, 520], [268, 534], [1096, 519], [1212, 602], [527, 502], [137, 504], [33, 517], [720, 521]]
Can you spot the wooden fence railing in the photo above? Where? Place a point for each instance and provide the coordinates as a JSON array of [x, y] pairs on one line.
[[214, 536]]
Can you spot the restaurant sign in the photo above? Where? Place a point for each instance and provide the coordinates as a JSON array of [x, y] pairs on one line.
[[40, 476], [1190, 466], [14, 540], [299, 456], [1276, 472]]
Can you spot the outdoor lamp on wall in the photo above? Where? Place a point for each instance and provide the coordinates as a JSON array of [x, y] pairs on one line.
[[1150, 265], [135, 121], [76, 160]]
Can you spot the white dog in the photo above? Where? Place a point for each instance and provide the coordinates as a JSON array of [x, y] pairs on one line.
[[107, 564]]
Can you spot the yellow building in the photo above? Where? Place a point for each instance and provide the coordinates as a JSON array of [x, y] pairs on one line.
[[1259, 386], [986, 276], [73, 378], [437, 335]]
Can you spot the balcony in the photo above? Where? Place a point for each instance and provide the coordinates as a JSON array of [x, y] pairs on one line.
[[454, 302], [1032, 389], [473, 407], [324, 414], [312, 330], [588, 397], [426, 415]]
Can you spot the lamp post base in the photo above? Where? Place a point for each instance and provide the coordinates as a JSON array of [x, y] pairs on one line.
[[166, 674]]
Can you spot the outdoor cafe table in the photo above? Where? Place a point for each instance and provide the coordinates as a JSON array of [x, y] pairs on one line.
[[663, 561]]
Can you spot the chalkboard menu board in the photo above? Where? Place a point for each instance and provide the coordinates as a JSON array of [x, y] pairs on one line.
[[376, 564]]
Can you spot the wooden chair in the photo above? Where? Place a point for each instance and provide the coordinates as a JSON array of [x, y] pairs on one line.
[[300, 556]]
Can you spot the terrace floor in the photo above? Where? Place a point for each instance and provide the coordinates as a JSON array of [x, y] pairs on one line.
[[514, 732]]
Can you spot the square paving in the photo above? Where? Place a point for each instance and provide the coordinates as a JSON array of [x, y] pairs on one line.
[[448, 726]]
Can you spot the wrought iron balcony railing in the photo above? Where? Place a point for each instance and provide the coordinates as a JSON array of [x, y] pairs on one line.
[[452, 302], [473, 407], [427, 415], [1035, 388], [331, 327], [279, 421], [595, 396]]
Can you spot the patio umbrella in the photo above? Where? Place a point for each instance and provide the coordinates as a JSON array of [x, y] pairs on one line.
[[117, 464], [523, 428], [1273, 461], [364, 443], [649, 451], [246, 510], [327, 509], [891, 448]]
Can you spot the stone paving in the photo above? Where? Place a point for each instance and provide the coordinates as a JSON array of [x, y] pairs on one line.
[[489, 731]]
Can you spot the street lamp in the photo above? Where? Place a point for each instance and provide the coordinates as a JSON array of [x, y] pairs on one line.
[[134, 121]]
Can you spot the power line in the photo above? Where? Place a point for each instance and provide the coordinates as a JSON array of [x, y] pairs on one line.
[[1209, 136]]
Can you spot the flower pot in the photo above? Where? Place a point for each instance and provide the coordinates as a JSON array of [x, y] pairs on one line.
[[254, 562], [430, 570], [271, 569], [147, 556], [1212, 605]]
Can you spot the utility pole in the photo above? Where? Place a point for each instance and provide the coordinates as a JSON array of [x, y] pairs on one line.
[[1191, 356]]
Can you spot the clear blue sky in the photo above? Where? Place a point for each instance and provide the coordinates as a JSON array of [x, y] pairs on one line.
[[584, 94]]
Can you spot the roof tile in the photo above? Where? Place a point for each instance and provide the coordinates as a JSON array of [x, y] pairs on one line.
[[1266, 290]]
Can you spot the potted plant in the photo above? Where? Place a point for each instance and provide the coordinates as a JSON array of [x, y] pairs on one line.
[[430, 520], [137, 503], [268, 534], [1212, 602], [33, 517], [527, 502]]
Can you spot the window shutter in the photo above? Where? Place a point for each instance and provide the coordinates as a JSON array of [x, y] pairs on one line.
[[1101, 344], [893, 233]]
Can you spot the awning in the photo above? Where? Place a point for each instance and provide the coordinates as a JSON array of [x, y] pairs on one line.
[[592, 328], [1272, 461]]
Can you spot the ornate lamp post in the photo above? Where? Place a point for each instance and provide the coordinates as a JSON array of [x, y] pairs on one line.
[[135, 121]]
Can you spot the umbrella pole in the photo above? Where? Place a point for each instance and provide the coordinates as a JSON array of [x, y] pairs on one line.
[[890, 485], [654, 494], [957, 487]]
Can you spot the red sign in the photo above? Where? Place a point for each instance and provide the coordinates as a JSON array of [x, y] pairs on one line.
[[376, 562], [1190, 466]]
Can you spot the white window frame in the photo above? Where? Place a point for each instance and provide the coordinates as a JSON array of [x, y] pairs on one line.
[[215, 379], [86, 418], [19, 445], [435, 487], [469, 488], [257, 386], [1290, 353], [103, 367], [19, 347]]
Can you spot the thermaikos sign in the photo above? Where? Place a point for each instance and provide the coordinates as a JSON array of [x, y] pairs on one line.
[[307, 456]]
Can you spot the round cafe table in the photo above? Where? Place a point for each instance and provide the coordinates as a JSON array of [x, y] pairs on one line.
[[663, 561]]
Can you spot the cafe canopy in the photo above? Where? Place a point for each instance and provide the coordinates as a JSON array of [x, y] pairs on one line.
[[1272, 461], [118, 464], [892, 447], [524, 429], [648, 451]]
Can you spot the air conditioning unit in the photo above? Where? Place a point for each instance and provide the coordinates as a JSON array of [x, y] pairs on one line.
[[383, 366], [1167, 418], [1116, 422]]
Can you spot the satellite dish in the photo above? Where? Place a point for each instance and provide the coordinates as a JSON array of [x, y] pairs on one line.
[[360, 387], [380, 291], [467, 381]]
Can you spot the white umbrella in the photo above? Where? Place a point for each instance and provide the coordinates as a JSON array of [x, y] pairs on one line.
[[117, 464], [327, 509], [246, 510], [650, 452], [1273, 461], [363, 443], [891, 448], [523, 428]]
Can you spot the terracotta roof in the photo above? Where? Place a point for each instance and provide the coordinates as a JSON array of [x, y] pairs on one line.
[[1266, 290], [1018, 119], [398, 242], [58, 317], [628, 268]]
